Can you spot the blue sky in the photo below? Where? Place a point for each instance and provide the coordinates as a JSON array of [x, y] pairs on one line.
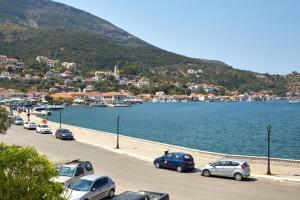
[[256, 35]]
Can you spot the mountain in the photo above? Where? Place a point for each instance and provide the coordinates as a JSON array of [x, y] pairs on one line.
[[76, 35], [50, 14], [29, 28]]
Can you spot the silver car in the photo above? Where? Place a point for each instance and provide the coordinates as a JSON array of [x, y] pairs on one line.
[[238, 169], [91, 187], [19, 121]]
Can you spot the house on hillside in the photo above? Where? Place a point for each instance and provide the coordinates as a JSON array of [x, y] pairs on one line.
[[70, 66], [53, 63], [3, 59], [42, 59]]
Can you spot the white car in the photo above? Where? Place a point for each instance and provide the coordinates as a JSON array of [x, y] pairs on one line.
[[72, 171], [30, 125], [43, 128], [90, 187]]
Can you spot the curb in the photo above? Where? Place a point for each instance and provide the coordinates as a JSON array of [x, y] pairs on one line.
[[275, 178]]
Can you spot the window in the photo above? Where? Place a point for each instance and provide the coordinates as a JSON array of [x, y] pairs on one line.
[[100, 183], [168, 156], [88, 167], [233, 163], [79, 171], [175, 157], [221, 163]]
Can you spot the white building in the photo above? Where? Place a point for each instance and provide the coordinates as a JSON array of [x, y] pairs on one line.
[[3, 59], [142, 83], [5, 75], [71, 66], [88, 88], [53, 63], [42, 59], [116, 73]]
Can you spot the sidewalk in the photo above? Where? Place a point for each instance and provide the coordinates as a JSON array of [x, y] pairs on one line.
[[147, 151]]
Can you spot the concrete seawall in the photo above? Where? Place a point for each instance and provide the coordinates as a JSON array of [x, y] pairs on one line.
[[148, 150]]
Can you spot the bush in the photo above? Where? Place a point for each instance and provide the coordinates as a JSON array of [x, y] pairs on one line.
[[25, 174]]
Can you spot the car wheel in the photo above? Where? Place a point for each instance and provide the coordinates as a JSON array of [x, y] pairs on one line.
[[157, 165], [179, 169], [206, 173], [238, 177], [111, 194]]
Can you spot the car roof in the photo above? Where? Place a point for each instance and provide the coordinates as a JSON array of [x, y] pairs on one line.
[[129, 195], [234, 160], [180, 153], [92, 177]]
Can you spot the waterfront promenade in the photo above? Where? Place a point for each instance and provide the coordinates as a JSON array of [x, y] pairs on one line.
[[148, 150], [135, 174]]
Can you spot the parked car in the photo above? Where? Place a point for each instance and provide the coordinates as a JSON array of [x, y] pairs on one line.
[[142, 195], [90, 187], [238, 169], [71, 171], [178, 161], [43, 128], [64, 134], [10, 115], [30, 125], [19, 121]]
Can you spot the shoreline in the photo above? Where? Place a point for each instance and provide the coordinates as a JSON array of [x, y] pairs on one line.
[[147, 150], [176, 146]]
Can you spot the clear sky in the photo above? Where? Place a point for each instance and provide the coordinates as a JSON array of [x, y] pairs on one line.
[[256, 35]]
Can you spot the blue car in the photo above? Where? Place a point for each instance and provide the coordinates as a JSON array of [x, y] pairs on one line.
[[176, 161]]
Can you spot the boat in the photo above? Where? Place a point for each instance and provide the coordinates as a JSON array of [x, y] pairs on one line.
[[134, 101], [119, 105], [98, 104], [46, 113], [294, 100], [55, 107]]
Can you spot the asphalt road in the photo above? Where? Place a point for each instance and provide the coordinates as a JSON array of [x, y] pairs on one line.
[[132, 174]]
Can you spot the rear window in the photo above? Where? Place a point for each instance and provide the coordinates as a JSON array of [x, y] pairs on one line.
[[246, 164], [188, 158]]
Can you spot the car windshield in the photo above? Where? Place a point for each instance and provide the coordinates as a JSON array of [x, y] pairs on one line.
[[66, 171], [19, 119], [32, 123], [64, 131], [44, 126], [81, 185]]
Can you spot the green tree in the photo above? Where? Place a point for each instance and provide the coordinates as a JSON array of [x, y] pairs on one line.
[[49, 99], [4, 120], [25, 174]]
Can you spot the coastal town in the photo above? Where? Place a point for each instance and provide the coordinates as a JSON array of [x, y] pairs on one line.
[[63, 83]]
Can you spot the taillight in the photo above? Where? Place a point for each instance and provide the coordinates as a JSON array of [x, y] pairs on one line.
[[243, 166]]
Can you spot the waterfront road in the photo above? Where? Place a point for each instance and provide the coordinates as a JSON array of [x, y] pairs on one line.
[[132, 174]]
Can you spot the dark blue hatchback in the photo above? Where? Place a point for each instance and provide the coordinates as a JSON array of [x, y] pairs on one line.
[[177, 161]]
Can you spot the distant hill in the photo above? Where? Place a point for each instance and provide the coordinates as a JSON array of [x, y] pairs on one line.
[[29, 28]]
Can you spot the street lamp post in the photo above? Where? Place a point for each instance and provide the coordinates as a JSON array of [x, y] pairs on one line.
[[59, 119], [269, 128], [28, 114], [118, 127]]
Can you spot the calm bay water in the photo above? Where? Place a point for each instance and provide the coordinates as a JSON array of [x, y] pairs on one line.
[[233, 128]]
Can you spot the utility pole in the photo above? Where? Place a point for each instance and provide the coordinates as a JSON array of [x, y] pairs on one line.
[[269, 128], [118, 127]]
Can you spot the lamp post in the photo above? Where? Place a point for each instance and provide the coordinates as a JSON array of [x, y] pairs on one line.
[[118, 127], [28, 114], [59, 119], [269, 128]]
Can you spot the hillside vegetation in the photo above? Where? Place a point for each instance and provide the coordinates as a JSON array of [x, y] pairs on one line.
[[29, 28]]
